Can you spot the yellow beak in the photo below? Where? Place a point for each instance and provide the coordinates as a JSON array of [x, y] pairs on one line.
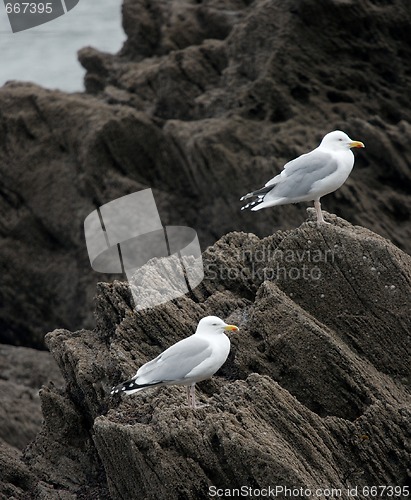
[[356, 144], [231, 328]]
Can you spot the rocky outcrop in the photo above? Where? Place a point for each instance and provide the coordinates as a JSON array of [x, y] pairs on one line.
[[22, 373], [205, 101], [15, 477], [315, 393]]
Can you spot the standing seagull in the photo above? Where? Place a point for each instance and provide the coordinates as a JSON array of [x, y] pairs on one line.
[[310, 176], [188, 361]]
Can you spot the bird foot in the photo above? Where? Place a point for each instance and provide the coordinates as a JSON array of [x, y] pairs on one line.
[[197, 406]]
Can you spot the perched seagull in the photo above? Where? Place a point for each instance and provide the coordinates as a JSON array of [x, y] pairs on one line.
[[188, 361], [310, 176]]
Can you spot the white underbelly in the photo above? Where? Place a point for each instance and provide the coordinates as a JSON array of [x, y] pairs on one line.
[[209, 366], [332, 182]]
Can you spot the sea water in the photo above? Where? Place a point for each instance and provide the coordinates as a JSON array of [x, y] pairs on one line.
[[47, 54]]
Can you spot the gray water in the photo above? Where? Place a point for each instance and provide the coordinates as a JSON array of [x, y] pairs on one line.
[[47, 54]]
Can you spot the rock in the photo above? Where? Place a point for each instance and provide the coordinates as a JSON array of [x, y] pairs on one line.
[[16, 478], [315, 393], [255, 434], [63, 454], [23, 372], [159, 27], [20, 414], [28, 367], [205, 101]]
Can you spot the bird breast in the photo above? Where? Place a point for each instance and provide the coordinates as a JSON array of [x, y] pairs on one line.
[[338, 177], [220, 348]]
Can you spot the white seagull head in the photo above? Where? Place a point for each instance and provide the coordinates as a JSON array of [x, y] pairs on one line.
[[214, 325], [338, 140]]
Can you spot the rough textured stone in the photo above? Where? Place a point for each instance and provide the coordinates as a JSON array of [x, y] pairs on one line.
[[22, 373], [316, 390], [206, 100], [15, 477]]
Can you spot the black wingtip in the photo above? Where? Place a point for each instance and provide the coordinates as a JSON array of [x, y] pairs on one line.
[[131, 385], [124, 386], [251, 204], [116, 390]]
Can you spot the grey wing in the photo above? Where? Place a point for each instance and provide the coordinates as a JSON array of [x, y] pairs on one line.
[[299, 175], [175, 362]]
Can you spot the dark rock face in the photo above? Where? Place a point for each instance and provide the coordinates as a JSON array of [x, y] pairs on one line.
[[315, 393], [206, 100], [22, 373], [16, 479]]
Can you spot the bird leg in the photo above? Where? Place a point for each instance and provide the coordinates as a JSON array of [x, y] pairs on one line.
[[191, 397], [320, 218]]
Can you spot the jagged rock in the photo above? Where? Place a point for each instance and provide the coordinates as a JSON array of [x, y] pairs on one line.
[[205, 101], [254, 434], [20, 414], [15, 477], [316, 391], [159, 27], [63, 454], [22, 373], [28, 367]]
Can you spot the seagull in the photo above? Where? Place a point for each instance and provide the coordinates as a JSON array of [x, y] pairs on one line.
[[310, 176], [187, 362]]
